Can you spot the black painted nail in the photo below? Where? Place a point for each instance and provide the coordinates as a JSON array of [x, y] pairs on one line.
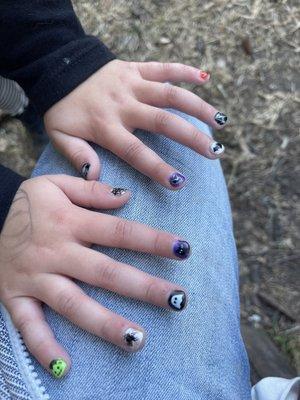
[[177, 179], [177, 300], [220, 118], [118, 191], [181, 249], [85, 170], [133, 338], [217, 148]]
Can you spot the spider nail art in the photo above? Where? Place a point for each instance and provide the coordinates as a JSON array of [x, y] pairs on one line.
[[58, 367], [133, 338], [217, 148], [118, 191], [220, 118], [85, 170], [177, 300], [181, 249], [204, 75], [176, 179]]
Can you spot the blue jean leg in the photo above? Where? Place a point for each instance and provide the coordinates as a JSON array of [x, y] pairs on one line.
[[195, 354]]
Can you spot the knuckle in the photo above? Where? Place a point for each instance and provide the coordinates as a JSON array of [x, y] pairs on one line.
[[171, 93], [123, 230], [151, 289], [158, 241], [23, 324], [158, 169], [107, 274], [77, 156], [91, 188], [195, 137], [166, 67], [161, 120], [132, 150], [67, 304], [60, 216]]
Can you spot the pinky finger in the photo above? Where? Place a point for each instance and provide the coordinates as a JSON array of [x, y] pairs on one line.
[[29, 319]]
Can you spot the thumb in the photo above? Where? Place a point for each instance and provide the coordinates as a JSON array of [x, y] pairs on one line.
[[80, 154]]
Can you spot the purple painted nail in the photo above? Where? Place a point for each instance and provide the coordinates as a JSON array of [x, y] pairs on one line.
[[181, 249], [176, 179]]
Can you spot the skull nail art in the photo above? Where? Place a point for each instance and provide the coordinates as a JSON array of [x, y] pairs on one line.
[[217, 148], [176, 179], [58, 367], [220, 118], [118, 191], [181, 248], [85, 170], [133, 338], [177, 300]]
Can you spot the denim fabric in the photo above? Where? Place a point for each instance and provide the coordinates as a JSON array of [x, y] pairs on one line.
[[193, 355]]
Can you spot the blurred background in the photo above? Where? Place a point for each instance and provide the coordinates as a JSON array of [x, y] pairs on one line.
[[252, 50]]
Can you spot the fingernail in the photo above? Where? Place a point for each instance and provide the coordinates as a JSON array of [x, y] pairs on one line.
[[133, 338], [220, 118], [176, 179], [204, 74], [217, 148], [118, 191], [181, 248], [58, 368], [177, 300], [85, 170]]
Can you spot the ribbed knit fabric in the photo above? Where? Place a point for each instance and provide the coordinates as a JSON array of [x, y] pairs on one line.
[[9, 184], [12, 97]]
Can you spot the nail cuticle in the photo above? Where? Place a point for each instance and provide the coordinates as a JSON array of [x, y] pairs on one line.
[[177, 300], [181, 248], [220, 118], [58, 368], [176, 179], [85, 170]]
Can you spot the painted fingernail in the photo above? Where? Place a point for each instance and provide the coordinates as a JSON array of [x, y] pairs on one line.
[[133, 338], [220, 118], [85, 170], [204, 74], [181, 248], [58, 367], [217, 148], [118, 191], [177, 300], [176, 179]]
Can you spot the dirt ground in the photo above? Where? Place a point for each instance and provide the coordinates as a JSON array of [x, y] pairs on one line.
[[251, 49]]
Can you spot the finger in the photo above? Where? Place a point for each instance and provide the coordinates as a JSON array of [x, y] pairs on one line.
[[167, 95], [67, 299], [97, 269], [111, 231], [164, 122], [174, 72], [79, 153], [138, 155], [29, 319], [91, 194]]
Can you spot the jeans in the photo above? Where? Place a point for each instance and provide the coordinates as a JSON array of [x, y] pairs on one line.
[[193, 355]]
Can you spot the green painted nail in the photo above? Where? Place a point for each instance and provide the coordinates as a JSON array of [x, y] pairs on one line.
[[58, 367]]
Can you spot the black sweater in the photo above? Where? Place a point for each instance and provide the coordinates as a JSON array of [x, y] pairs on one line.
[[44, 48]]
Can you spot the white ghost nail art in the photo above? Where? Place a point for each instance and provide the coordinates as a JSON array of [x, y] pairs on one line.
[[177, 300]]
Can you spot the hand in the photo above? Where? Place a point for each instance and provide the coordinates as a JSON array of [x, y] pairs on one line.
[[45, 244], [121, 97]]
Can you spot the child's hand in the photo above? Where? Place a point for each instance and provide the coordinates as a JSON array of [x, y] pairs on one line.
[[123, 96], [44, 245]]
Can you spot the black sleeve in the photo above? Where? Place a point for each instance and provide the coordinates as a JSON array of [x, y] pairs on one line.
[[9, 184], [44, 48]]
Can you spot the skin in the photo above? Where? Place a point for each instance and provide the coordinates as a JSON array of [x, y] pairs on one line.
[[45, 244], [121, 97]]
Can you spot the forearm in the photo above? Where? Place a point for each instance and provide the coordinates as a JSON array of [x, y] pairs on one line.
[[9, 184], [42, 44]]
